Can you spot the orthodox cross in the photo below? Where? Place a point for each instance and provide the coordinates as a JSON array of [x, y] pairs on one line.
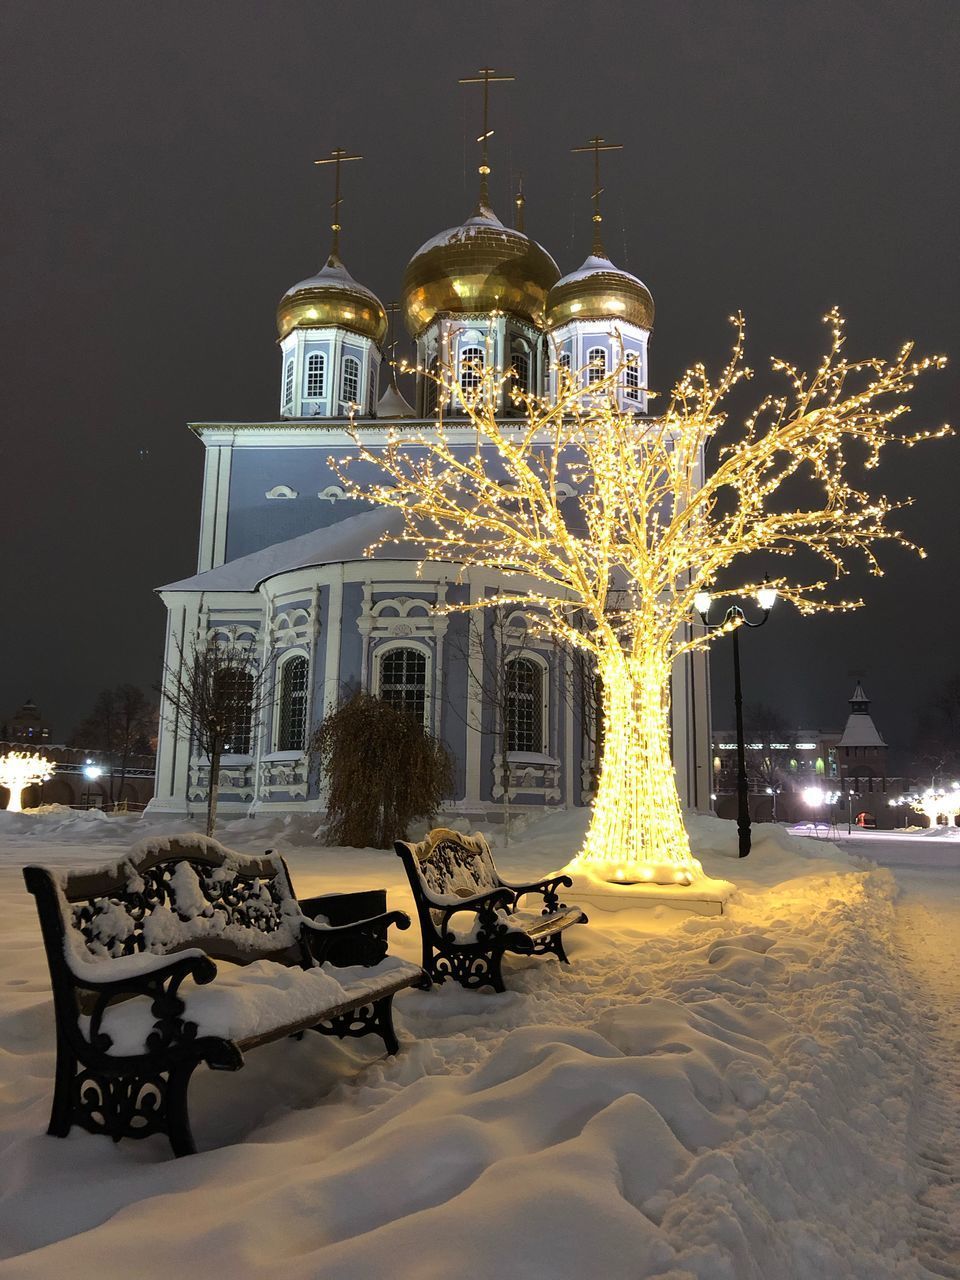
[[486, 77], [596, 145], [336, 156]]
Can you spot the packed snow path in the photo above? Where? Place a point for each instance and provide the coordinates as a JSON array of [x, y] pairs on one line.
[[700, 1098], [928, 929]]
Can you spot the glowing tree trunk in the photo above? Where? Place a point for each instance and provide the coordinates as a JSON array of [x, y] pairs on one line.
[[637, 830], [19, 770]]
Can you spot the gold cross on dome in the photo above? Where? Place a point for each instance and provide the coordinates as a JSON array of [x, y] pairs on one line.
[[596, 145], [486, 77], [337, 156]]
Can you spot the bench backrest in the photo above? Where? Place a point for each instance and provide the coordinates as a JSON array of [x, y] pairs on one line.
[[451, 864], [171, 894]]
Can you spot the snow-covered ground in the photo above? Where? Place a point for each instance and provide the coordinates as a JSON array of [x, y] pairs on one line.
[[766, 1095]]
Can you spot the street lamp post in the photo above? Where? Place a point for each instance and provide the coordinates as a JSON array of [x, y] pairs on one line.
[[733, 620]]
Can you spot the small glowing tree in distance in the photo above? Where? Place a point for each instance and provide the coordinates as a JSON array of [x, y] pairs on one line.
[[21, 769], [615, 570]]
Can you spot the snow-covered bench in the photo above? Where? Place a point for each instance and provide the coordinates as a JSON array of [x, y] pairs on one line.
[[140, 1001], [469, 916]]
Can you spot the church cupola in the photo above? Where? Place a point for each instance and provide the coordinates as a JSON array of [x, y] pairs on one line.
[[600, 315], [474, 296], [331, 331]]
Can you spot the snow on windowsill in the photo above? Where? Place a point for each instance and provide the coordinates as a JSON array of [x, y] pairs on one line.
[[275, 756], [530, 757]]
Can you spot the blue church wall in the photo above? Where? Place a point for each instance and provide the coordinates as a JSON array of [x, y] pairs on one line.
[[454, 729], [351, 642]]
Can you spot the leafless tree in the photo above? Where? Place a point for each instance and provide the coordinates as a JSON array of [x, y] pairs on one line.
[[123, 723], [217, 690]]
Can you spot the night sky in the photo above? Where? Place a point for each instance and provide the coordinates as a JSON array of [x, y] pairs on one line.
[[160, 197]]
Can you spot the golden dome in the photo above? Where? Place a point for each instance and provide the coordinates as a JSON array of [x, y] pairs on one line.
[[600, 291], [332, 297], [478, 267]]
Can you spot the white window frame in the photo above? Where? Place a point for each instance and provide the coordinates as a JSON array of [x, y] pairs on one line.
[[406, 642], [525, 655], [288, 383], [309, 372], [596, 368], [471, 354], [521, 352], [631, 376], [283, 662], [344, 398]]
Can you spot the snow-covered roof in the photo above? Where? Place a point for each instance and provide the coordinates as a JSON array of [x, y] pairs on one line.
[[332, 275], [593, 266], [392, 404], [860, 731], [336, 544]]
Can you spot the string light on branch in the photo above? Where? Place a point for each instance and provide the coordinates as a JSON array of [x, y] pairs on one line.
[[621, 570], [22, 769]]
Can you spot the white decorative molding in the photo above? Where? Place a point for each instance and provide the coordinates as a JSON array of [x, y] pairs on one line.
[[332, 493], [529, 772], [286, 775], [401, 616], [292, 626], [236, 781], [281, 491]]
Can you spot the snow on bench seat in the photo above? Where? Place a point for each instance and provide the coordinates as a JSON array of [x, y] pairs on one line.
[[250, 1003]]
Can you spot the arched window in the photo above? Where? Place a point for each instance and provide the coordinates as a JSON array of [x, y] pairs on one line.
[[521, 369], [350, 380], [564, 361], [234, 692], [288, 384], [631, 377], [315, 375], [292, 727], [431, 389], [596, 365], [524, 705], [403, 681], [471, 368]]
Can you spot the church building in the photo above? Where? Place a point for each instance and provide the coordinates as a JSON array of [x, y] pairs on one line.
[[281, 562]]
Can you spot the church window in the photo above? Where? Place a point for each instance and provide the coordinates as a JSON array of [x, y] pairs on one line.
[[430, 389], [564, 361], [524, 705], [288, 384], [236, 690], [471, 368], [350, 380], [521, 370], [315, 375], [292, 728], [403, 681], [596, 365], [631, 377]]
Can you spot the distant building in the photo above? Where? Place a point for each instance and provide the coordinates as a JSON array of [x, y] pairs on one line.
[[780, 769], [27, 725], [83, 778]]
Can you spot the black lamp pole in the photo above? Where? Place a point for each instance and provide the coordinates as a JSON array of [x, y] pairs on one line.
[[733, 620]]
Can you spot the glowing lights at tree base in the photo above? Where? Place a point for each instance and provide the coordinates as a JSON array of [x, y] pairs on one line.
[[636, 834], [935, 804], [19, 770]]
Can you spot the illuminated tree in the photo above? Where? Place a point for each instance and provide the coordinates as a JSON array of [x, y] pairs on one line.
[[19, 770], [615, 570], [937, 803]]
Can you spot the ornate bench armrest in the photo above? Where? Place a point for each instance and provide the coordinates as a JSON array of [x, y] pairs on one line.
[[485, 906], [322, 936], [546, 888], [122, 974]]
